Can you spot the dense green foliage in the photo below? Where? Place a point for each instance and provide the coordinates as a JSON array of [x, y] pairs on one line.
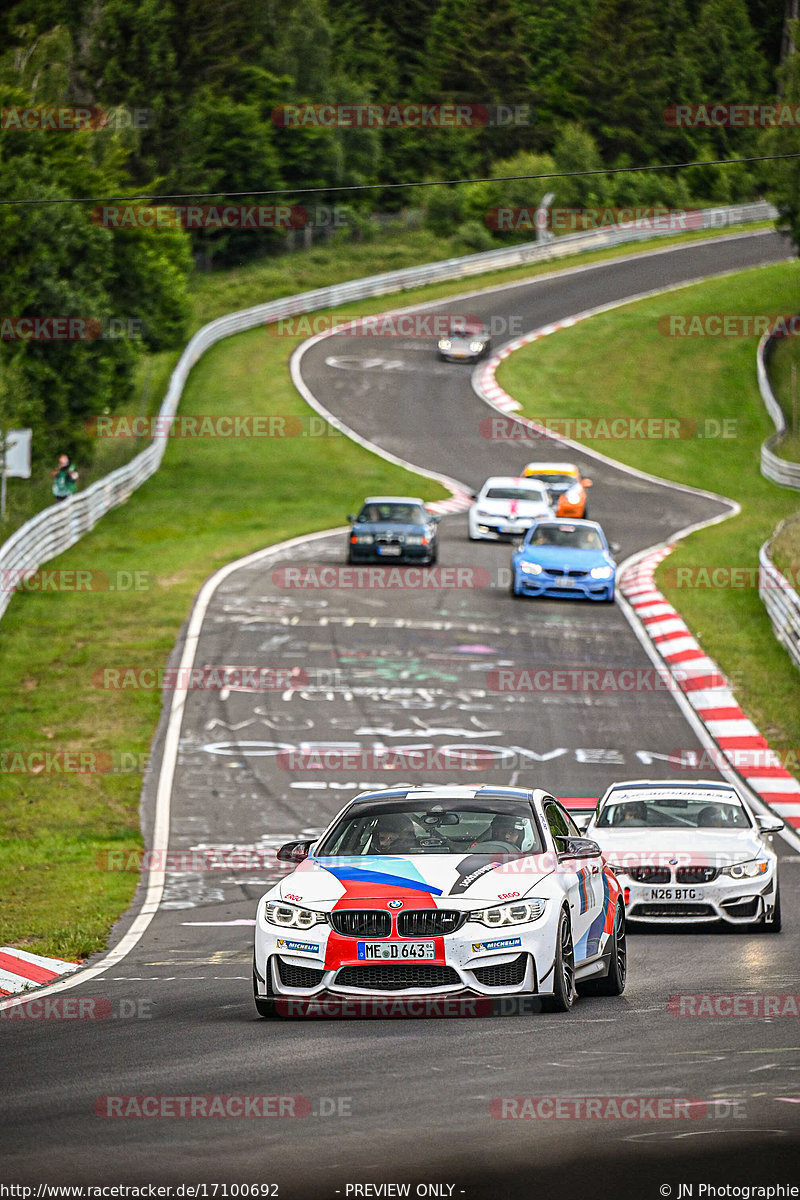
[[198, 86]]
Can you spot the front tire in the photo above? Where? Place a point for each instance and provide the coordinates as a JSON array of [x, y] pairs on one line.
[[613, 984], [773, 926], [265, 1005], [564, 994]]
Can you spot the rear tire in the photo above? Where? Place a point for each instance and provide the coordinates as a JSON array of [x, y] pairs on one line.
[[613, 984], [564, 994]]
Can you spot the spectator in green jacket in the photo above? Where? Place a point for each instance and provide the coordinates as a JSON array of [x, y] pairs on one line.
[[65, 478]]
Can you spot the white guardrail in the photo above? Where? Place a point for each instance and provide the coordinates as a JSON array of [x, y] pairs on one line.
[[55, 529], [778, 470], [781, 602]]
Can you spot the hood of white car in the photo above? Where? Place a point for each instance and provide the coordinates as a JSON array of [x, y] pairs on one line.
[[424, 877], [720, 847]]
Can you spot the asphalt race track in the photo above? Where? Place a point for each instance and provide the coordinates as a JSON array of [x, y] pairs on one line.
[[409, 1100]]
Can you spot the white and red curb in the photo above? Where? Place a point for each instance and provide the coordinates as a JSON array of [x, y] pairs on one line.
[[740, 743], [459, 502], [20, 970]]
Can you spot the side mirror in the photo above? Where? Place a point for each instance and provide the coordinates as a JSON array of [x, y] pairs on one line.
[[572, 847], [615, 547], [436, 519], [768, 823], [294, 852], [474, 495], [586, 482], [351, 518]]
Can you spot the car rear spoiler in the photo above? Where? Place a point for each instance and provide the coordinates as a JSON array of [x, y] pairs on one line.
[[580, 808]]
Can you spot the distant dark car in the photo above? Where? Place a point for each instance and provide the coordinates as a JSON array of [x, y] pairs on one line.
[[466, 341], [393, 529]]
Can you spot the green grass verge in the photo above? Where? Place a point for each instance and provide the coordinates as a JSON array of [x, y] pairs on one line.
[[573, 375], [210, 502], [785, 549]]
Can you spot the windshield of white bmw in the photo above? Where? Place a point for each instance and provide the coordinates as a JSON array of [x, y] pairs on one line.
[[515, 493], [403, 829], [674, 811], [405, 514]]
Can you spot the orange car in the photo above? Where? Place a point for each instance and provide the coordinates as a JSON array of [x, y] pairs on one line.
[[565, 484]]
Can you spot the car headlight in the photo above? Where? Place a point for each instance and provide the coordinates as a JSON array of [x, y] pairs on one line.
[[747, 870], [601, 572], [290, 916], [445, 344], [573, 495], [416, 540], [475, 347], [364, 539], [530, 568], [509, 914]]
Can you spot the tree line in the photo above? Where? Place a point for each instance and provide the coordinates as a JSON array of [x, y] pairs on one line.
[[202, 84]]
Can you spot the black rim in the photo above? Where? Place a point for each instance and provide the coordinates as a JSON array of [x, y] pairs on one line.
[[621, 947], [567, 960]]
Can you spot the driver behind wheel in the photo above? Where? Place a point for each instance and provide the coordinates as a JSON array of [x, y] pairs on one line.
[[504, 828]]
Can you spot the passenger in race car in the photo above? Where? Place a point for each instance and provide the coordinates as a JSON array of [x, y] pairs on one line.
[[394, 834]]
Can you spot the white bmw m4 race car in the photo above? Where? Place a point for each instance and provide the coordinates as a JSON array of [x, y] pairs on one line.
[[690, 852], [441, 892]]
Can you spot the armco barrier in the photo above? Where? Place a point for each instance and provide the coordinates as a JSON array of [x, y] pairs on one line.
[[778, 470], [781, 602], [55, 529]]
